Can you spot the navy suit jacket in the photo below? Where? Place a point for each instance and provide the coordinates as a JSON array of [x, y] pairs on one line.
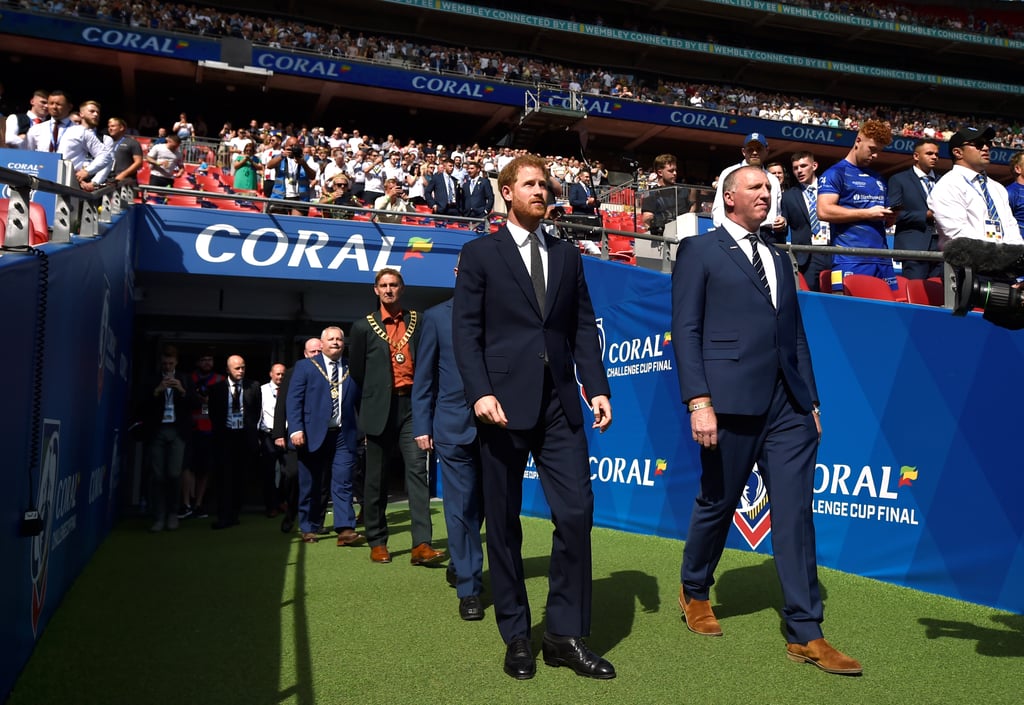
[[309, 403], [500, 334], [438, 398], [578, 199], [794, 210], [481, 201], [730, 342], [913, 231], [436, 194]]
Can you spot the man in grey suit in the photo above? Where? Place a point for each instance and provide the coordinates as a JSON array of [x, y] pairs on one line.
[[745, 374]]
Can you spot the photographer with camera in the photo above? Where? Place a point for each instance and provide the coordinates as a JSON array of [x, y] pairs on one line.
[[392, 201], [294, 175]]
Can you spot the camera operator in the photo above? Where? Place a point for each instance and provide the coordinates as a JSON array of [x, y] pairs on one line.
[[663, 202], [966, 202], [294, 175]]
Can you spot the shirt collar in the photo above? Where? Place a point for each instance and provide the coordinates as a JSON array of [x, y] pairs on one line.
[[921, 175], [735, 230], [520, 235], [385, 316]]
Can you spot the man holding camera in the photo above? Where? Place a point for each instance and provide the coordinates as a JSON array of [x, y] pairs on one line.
[[293, 176], [966, 202]]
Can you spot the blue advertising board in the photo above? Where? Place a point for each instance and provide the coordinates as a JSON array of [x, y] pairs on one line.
[[915, 483], [43, 165], [207, 241], [137, 40], [82, 402]]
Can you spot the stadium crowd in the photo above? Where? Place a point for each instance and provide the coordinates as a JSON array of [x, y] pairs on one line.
[[736, 100]]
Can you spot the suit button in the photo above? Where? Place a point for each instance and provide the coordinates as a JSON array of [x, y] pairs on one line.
[[540, 355]]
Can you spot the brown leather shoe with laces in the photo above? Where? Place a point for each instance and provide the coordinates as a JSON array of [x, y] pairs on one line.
[[825, 656], [424, 554], [699, 617], [380, 554], [348, 537]]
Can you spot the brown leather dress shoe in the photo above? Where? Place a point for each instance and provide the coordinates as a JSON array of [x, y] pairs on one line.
[[699, 617], [348, 537], [380, 554], [825, 656], [425, 555], [310, 537]]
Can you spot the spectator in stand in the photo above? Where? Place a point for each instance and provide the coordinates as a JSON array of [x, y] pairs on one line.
[[421, 175], [599, 177], [755, 147], [166, 162], [127, 152], [294, 177], [582, 197], [161, 137], [443, 193], [18, 124], [966, 201], [1015, 191], [184, 129], [779, 172], [271, 149], [246, 169], [333, 166], [478, 196], [373, 175], [393, 201], [665, 200], [915, 223], [852, 199], [339, 193]]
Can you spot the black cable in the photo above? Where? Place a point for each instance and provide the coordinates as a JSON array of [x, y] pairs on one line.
[[37, 360]]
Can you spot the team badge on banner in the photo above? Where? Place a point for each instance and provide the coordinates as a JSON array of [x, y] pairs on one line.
[[753, 516]]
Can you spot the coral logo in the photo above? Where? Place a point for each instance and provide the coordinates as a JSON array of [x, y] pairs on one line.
[[418, 246], [907, 476], [753, 515], [49, 462], [660, 466]]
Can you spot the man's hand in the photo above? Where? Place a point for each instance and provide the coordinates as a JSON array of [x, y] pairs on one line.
[[779, 223], [280, 443], [704, 426], [602, 409], [298, 439], [488, 409], [424, 442]]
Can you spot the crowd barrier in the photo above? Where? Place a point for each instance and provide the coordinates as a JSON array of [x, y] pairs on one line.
[[66, 466]]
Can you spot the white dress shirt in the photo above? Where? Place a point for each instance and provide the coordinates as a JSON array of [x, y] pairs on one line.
[[521, 235], [739, 234], [269, 392], [77, 144], [960, 210]]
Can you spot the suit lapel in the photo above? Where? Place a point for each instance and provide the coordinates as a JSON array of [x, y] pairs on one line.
[[556, 263], [737, 255], [509, 252]]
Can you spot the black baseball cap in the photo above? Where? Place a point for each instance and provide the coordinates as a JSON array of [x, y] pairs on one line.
[[971, 134]]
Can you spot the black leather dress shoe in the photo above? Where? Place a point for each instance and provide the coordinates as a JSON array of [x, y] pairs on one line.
[[449, 575], [519, 661], [572, 651], [470, 608]]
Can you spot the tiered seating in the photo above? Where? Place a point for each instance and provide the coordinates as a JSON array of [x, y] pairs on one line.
[[865, 287]]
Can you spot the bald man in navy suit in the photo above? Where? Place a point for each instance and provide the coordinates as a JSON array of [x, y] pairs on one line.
[[745, 374]]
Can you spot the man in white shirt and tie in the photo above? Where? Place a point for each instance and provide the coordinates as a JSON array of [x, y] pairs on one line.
[[75, 143], [966, 202], [800, 209], [271, 457], [18, 124], [478, 194]]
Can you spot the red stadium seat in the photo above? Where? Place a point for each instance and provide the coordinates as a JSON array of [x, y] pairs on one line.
[[38, 229], [825, 281], [927, 292], [901, 288], [801, 282], [864, 287], [186, 201]]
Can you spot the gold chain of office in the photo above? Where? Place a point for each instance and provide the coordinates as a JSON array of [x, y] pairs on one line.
[[409, 330], [335, 386]]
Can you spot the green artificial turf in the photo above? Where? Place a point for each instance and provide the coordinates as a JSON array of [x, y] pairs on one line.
[[254, 617]]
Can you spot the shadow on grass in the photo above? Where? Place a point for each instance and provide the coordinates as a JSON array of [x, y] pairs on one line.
[[614, 604], [400, 525], [752, 589], [990, 641]]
